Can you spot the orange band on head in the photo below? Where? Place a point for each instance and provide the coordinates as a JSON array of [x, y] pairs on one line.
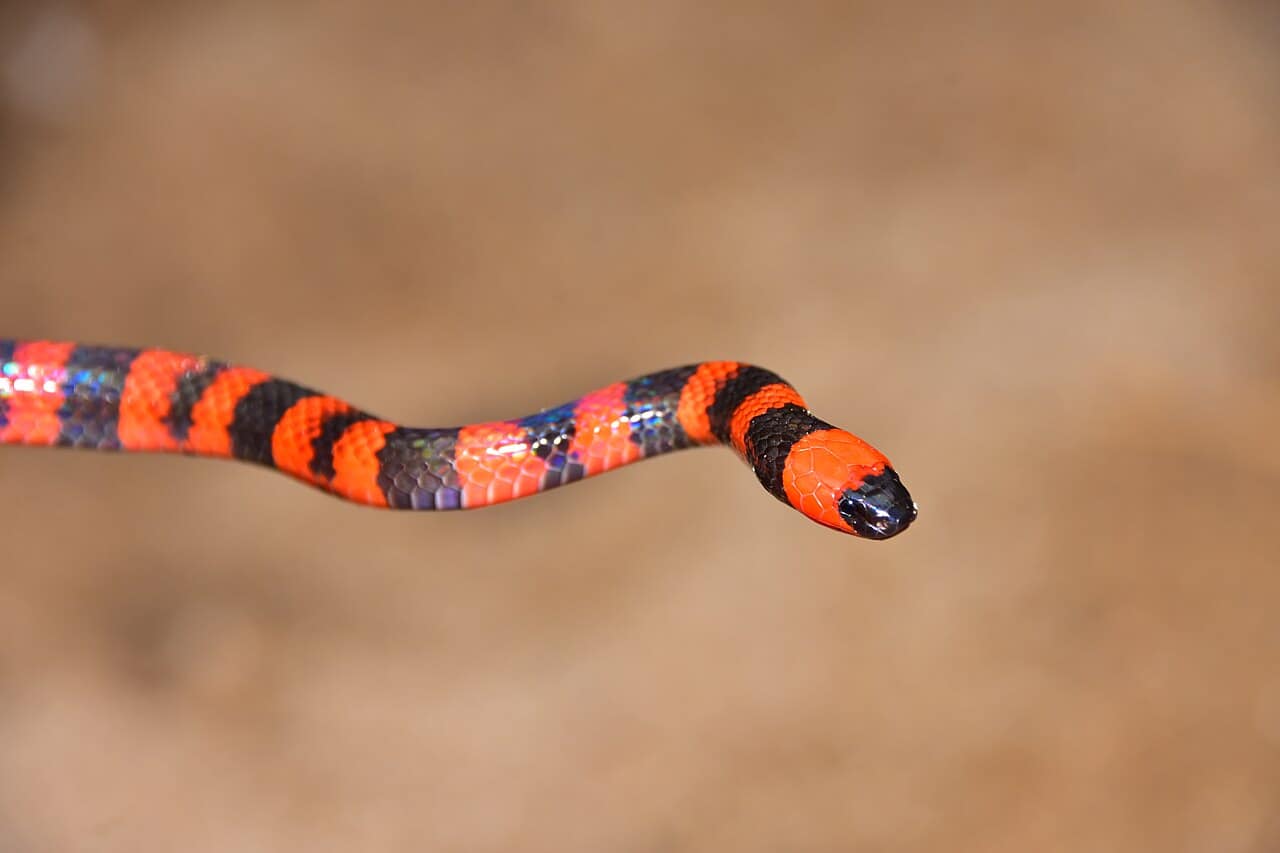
[[821, 466], [147, 397], [213, 414]]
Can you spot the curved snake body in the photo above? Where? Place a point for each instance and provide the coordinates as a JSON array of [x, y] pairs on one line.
[[108, 398]]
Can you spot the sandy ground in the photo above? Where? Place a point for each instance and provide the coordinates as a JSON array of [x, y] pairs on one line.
[[1028, 250]]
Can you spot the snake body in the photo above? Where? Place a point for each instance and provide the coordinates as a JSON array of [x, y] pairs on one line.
[[112, 398]]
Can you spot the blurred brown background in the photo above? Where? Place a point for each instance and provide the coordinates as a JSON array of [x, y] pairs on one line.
[[1028, 250]]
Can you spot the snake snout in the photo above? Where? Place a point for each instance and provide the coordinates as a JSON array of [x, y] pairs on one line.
[[879, 508]]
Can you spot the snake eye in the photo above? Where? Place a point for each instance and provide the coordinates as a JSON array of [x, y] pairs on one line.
[[881, 507]]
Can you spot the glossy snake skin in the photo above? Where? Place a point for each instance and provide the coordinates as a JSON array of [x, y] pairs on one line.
[[107, 398]]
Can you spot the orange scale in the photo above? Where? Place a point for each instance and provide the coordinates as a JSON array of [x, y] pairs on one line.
[[807, 484], [527, 476]]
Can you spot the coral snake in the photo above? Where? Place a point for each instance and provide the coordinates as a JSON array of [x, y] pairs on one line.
[[106, 398]]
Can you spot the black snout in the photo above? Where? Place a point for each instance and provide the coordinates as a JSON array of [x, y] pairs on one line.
[[881, 507]]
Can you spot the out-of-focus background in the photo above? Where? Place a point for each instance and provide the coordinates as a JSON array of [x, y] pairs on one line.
[[1028, 250]]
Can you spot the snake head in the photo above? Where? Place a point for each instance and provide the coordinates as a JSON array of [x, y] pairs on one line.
[[838, 480]]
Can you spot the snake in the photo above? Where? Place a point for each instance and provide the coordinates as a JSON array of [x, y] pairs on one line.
[[67, 394]]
